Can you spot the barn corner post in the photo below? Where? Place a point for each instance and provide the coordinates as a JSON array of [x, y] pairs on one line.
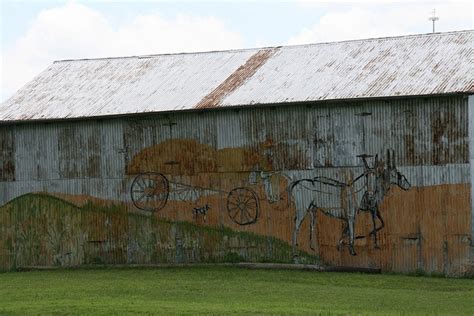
[[471, 168]]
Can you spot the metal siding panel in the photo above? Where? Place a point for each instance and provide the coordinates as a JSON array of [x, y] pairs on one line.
[[427, 227], [79, 150], [112, 153]]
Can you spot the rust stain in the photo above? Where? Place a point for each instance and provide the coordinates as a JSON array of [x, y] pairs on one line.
[[440, 125], [175, 157], [422, 233], [410, 149], [188, 157], [7, 159], [449, 139], [236, 79], [7, 171], [427, 228], [417, 235]]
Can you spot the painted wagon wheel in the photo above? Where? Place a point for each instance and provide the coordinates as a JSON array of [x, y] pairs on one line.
[[242, 206], [150, 191]]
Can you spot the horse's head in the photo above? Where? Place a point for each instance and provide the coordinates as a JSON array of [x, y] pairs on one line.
[[392, 176]]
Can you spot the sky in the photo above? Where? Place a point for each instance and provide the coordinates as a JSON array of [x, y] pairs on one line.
[[33, 34]]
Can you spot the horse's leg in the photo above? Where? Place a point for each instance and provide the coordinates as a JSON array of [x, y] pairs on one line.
[[350, 211], [298, 222], [351, 227], [345, 233], [379, 216], [294, 241], [374, 231], [376, 214]]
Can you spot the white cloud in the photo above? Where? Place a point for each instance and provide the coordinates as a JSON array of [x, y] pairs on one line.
[[346, 22], [76, 31]]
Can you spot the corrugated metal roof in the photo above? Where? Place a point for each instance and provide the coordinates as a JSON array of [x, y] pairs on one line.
[[438, 63]]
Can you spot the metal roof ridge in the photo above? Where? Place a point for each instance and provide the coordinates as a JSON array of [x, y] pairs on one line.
[[370, 39], [268, 47], [164, 54]]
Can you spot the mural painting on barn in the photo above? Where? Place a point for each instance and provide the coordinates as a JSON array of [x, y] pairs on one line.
[[151, 194], [151, 190], [204, 182], [45, 230], [344, 200], [190, 202]]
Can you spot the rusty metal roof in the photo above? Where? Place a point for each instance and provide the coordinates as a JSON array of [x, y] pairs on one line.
[[438, 63]]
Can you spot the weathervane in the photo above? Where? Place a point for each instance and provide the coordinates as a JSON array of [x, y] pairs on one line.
[[433, 18]]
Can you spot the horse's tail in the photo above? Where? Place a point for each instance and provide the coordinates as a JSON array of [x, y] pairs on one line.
[[293, 184], [290, 188]]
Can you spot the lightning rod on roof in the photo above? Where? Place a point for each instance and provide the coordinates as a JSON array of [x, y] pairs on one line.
[[433, 18]]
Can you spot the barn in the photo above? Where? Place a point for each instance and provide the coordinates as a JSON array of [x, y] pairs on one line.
[[345, 154]]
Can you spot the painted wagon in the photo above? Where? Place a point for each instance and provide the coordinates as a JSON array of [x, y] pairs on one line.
[[150, 191]]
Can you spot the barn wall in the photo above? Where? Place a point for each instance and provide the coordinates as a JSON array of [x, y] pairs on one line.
[[81, 192]]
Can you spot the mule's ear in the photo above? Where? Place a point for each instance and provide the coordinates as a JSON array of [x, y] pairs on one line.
[[389, 163], [393, 158]]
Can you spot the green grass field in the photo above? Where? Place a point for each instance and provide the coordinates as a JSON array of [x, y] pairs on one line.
[[229, 290]]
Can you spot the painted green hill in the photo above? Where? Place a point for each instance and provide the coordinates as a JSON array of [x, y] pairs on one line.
[[42, 230]]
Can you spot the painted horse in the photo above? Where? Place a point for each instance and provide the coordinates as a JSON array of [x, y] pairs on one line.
[[343, 200]]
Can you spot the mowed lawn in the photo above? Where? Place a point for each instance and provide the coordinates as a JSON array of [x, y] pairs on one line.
[[229, 290]]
